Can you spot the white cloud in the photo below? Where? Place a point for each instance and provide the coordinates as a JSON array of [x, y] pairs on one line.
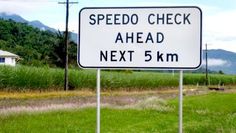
[[222, 24], [219, 30], [216, 62], [20, 6]]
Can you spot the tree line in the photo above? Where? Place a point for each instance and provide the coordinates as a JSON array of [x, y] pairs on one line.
[[34, 46]]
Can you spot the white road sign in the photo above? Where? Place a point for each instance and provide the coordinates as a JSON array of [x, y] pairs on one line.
[[140, 37]]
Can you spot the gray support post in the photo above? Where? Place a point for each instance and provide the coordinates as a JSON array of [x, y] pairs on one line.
[[180, 101], [98, 101]]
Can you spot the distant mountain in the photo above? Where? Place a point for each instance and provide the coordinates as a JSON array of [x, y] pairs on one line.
[[17, 18], [35, 23], [219, 59], [41, 26], [13, 17]]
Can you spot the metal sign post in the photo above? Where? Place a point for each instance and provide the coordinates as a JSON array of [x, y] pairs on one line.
[[98, 101], [180, 101]]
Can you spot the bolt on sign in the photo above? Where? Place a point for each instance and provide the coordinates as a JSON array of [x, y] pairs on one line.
[[140, 37]]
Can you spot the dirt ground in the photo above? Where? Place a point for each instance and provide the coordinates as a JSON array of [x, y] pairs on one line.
[[45, 101]]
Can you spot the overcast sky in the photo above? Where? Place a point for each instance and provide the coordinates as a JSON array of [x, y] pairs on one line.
[[219, 16]]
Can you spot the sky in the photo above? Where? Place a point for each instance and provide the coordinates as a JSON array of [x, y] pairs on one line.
[[219, 16]]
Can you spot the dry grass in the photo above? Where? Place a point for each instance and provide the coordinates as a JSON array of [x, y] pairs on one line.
[[83, 93], [37, 94], [153, 103], [86, 92]]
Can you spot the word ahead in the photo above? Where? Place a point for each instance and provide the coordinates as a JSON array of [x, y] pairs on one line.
[[140, 37]]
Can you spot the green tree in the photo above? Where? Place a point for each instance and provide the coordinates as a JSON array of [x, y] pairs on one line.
[[35, 47]]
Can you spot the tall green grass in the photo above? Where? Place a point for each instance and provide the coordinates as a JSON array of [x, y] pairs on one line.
[[23, 77], [33, 78], [213, 79]]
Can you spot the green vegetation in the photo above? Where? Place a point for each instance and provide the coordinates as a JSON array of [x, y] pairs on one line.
[[211, 113], [33, 78], [214, 79], [35, 47]]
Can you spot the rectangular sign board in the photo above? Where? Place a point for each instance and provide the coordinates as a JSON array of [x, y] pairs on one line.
[[140, 37]]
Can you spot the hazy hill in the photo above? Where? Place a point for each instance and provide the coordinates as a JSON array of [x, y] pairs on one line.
[[14, 17], [35, 23], [41, 26], [17, 18], [219, 59]]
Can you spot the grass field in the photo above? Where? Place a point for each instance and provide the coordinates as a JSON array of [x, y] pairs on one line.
[[32, 78], [209, 113]]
